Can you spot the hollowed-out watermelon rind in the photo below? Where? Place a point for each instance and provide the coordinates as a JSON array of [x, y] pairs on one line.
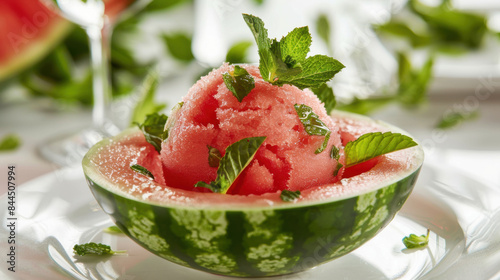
[[265, 240]]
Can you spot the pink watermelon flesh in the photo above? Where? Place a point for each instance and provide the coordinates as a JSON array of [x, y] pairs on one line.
[[211, 115], [112, 160]]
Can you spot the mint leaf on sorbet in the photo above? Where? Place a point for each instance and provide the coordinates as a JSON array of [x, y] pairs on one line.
[[239, 82], [371, 145], [237, 157], [415, 241], [289, 196], [142, 170], [152, 128], [286, 62], [312, 124]]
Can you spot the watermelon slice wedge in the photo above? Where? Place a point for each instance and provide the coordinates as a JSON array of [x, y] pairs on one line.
[[250, 235], [30, 30]]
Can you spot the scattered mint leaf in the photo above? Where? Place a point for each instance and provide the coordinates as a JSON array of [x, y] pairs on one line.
[[98, 249], [146, 104], [455, 118], [451, 26], [142, 170], [413, 83], [402, 29], [214, 156], [312, 124], [179, 46], [325, 95], [153, 129], [323, 29], [237, 157], [289, 196], [414, 241], [371, 145], [284, 62], [366, 106], [237, 53], [113, 229], [9, 142], [239, 82]]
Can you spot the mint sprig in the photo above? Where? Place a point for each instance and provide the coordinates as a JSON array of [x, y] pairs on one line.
[[142, 170], [153, 129], [312, 124], [286, 62], [371, 145], [237, 157], [239, 82]]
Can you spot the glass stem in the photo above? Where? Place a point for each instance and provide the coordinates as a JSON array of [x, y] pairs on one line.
[[100, 79]]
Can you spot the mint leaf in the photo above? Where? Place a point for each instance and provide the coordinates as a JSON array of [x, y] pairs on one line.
[[98, 249], [312, 124], [214, 156], [266, 63], [414, 241], [451, 26], [401, 29], [10, 142], [413, 83], [337, 169], [284, 62], [295, 46], [142, 170], [335, 153], [455, 118], [239, 82], [323, 29], [316, 70], [179, 46], [153, 129], [146, 104], [366, 106], [325, 95], [237, 157], [113, 229], [371, 145], [289, 196], [237, 53]]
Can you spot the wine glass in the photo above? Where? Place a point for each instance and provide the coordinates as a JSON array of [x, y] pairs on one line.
[[89, 15]]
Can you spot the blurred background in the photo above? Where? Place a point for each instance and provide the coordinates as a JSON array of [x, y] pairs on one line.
[[430, 67]]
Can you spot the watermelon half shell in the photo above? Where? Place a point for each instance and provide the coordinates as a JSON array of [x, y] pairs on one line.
[[251, 236]]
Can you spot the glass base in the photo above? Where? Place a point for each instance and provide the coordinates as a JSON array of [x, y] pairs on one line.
[[69, 150]]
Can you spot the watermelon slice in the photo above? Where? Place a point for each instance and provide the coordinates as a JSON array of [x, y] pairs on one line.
[[250, 235], [29, 30]]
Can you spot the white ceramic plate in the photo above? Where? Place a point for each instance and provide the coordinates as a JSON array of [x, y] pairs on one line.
[[57, 211]]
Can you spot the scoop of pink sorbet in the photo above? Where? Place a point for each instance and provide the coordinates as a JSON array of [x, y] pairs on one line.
[[211, 115]]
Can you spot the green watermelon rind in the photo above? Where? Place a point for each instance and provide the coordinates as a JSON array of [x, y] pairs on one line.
[[259, 241]]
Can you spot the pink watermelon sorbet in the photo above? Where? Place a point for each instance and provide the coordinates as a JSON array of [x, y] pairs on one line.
[[211, 115]]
